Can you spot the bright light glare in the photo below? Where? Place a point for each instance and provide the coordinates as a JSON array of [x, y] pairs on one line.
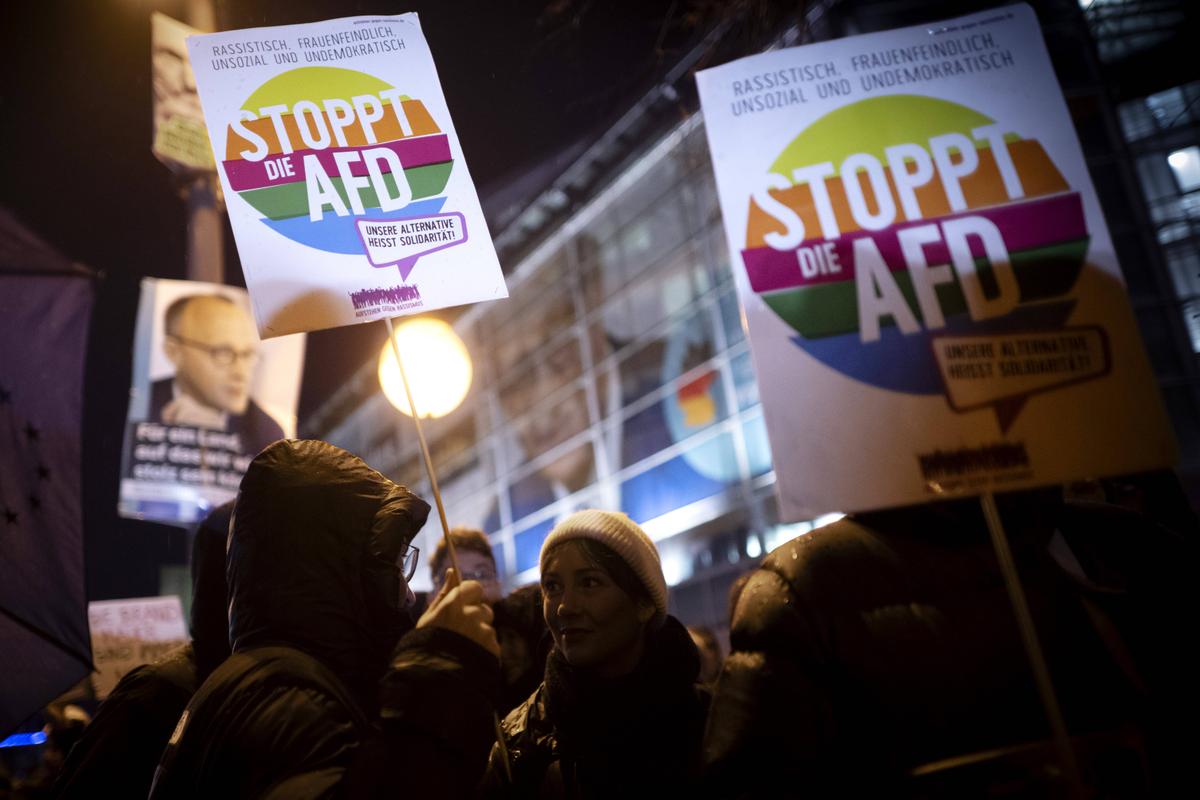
[[675, 565], [778, 534], [1185, 164], [437, 364], [753, 546], [827, 519]]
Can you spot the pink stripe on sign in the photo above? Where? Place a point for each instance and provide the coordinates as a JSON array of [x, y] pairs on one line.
[[1025, 226], [414, 152]]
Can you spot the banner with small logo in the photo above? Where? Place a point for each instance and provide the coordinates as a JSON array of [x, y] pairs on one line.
[[933, 300], [345, 182]]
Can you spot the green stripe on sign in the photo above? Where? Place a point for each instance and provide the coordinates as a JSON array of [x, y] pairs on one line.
[[291, 199], [1051, 271], [831, 309]]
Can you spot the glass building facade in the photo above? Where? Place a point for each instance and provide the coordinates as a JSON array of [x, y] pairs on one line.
[[1138, 115], [618, 375]]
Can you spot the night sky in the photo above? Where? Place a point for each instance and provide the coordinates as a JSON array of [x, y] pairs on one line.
[[523, 79]]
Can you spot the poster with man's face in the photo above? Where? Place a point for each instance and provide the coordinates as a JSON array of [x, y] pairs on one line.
[[207, 395]]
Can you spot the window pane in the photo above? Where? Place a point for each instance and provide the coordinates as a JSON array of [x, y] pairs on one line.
[[693, 407], [561, 476], [661, 294], [551, 424], [652, 363], [1185, 164], [651, 236], [1191, 318], [731, 317], [656, 187], [745, 383], [704, 191], [1184, 264], [698, 473], [1167, 107], [1136, 120], [534, 379], [1159, 344], [523, 336], [599, 267], [528, 544], [717, 251], [758, 447]]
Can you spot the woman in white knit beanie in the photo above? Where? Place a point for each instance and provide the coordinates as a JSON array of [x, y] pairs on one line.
[[619, 712]]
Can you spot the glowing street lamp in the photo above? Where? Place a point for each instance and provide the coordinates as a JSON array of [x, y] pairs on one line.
[[437, 363]]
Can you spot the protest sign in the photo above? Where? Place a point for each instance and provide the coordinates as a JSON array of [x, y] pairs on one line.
[[179, 139], [345, 183], [129, 633], [207, 395], [933, 300]]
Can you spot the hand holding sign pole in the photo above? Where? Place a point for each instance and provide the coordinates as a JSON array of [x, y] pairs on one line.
[[416, 418], [501, 747]]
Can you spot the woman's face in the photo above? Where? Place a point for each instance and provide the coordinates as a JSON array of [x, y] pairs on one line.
[[595, 624]]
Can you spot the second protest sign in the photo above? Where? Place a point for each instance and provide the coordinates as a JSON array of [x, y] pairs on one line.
[[933, 299]]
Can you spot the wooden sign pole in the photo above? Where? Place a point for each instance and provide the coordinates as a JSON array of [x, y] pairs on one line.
[[501, 748], [1033, 649]]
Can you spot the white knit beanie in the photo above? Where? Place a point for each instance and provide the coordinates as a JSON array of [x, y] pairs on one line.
[[621, 535]]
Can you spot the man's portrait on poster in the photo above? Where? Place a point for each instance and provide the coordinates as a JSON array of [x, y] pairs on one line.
[[211, 342]]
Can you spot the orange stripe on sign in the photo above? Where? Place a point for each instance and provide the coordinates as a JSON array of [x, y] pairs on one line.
[[386, 130], [981, 189]]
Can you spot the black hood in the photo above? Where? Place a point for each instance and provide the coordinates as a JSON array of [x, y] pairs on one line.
[[312, 559], [210, 600]]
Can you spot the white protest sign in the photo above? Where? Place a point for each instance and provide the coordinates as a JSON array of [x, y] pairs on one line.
[[933, 300], [129, 633], [345, 182]]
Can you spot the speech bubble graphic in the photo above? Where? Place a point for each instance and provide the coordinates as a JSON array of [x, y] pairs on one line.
[[402, 241], [1003, 370]]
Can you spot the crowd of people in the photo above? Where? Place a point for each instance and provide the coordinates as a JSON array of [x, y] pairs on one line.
[[879, 653]]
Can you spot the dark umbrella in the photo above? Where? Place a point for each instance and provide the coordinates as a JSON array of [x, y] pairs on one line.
[[45, 306]]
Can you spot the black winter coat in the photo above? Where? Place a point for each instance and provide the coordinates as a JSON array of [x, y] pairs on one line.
[[318, 700], [867, 654], [636, 736], [119, 750]]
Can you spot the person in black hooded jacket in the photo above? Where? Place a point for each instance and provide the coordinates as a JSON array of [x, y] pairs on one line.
[[880, 656], [318, 698], [119, 750], [524, 643], [619, 713]]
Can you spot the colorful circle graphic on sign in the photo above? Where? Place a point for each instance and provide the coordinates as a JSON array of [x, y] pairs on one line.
[[317, 148], [897, 219]]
